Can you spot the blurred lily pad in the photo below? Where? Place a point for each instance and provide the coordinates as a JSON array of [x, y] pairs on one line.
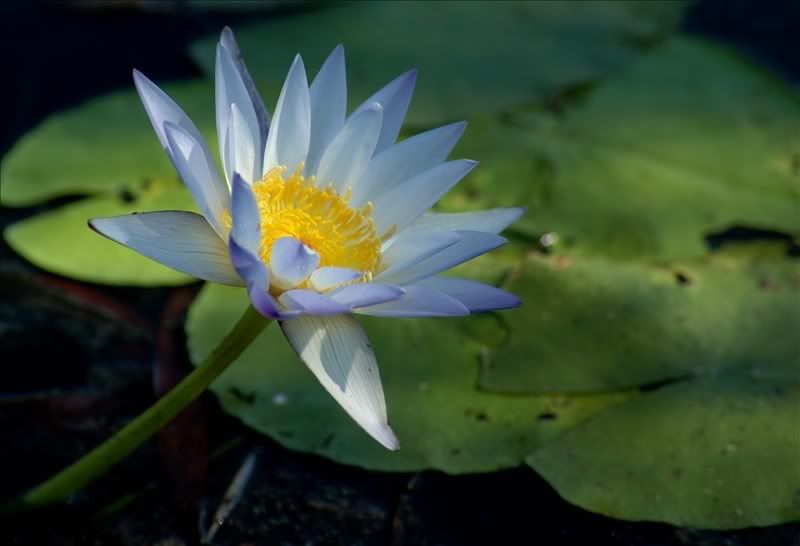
[[690, 140], [718, 453], [104, 147], [61, 241], [545, 46], [429, 371], [592, 324]]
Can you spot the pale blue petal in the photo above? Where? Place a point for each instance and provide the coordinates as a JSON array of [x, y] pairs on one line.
[[181, 240], [348, 154], [248, 265], [490, 220], [410, 248], [474, 295], [418, 301], [231, 90], [328, 96], [366, 294], [406, 202], [394, 98], [197, 170], [309, 302], [229, 43], [326, 278], [472, 244], [289, 135], [338, 353], [404, 161], [291, 262]]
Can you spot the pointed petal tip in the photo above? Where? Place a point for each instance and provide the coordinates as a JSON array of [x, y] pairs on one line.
[[385, 436]]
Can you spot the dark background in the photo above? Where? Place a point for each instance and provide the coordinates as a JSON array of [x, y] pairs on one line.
[[56, 55]]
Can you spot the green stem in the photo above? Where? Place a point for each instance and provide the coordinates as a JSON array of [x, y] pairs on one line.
[[92, 465]]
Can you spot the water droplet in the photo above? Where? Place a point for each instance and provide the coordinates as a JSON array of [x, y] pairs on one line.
[[280, 399]]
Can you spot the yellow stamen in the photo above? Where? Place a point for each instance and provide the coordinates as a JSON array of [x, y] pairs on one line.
[[320, 218]]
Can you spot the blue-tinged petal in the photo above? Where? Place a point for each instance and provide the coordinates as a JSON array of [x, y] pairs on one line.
[[474, 295], [410, 248], [245, 217], [418, 301], [406, 202], [289, 135], [490, 220], [366, 294], [309, 302], [394, 98], [327, 278], [231, 91], [291, 263], [328, 96], [248, 265], [472, 244], [338, 353], [348, 154], [229, 43], [264, 303], [404, 161], [240, 150], [198, 172], [181, 240]]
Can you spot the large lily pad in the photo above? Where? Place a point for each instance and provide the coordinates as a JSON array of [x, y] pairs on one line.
[[429, 370], [688, 141], [61, 241], [103, 147], [544, 47], [592, 324], [719, 453]]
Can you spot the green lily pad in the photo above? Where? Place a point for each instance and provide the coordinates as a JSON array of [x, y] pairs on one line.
[[592, 324], [690, 140], [428, 369], [719, 453], [104, 147], [61, 241], [544, 47]]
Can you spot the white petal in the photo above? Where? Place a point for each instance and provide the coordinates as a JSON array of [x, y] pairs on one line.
[[231, 91], [262, 116], [246, 219], [490, 220], [410, 248], [472, 244], [181, 240], [287, 143], [291, 262], [197, 169], [405, 203], [475, 296], [394, 98], [328, 96], [241, 151], [363, 295], [418, 301], [327, 278], [338, 353], [404, 161], [348, 154]]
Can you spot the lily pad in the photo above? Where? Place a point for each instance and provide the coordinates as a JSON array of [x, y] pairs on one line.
[[104, 147], [61, 241], [688, 141], [545, 47], [593, 324], [429, 371], [719, 453]]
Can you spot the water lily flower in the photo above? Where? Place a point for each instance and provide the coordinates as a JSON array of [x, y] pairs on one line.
[[320, 216]]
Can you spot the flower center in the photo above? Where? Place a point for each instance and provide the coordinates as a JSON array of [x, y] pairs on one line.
[[319, 218]]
